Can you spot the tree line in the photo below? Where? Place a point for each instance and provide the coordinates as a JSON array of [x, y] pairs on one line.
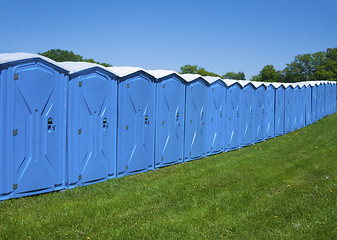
[[320, 65], [59, 55], [305, 67]]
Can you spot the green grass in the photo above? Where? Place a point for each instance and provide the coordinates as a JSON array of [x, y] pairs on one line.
[[284, 188]]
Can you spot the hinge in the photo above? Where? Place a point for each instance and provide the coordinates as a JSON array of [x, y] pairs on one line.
[[15, 132], [162, 123], [163, 85], [127, 85], [126, 167], [80, 83], [79, 131], [16, 76], [15, 186], [127, 127], [79, 177]]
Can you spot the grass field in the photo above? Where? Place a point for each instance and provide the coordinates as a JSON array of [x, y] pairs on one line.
[[284, 188]]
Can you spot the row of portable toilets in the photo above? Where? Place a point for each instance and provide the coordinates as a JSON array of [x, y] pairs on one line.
[[70, 124]]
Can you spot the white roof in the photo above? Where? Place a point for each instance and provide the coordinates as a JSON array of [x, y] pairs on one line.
[[124, 71], [160, 73], [74, 67], [257, 84], [12, 57], [277, 84], [211, 79], [230, 82], [243, 83], [191, 77]]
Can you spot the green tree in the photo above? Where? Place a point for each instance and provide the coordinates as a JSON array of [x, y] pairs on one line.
[[328, 70], [304, 67], [193, 69], [233, 75], [59, 55], [268, 74]]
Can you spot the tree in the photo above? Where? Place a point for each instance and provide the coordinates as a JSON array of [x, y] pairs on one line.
[[268, 74], [304, 66], [233, 75], [193, 69], [328, 70], [59, 55]]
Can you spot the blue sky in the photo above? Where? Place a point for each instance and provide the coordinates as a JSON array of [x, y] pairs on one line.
[[220, 36]]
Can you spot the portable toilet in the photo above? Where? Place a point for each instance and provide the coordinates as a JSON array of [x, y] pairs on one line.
[[308, 104], [135, 120], [302, 105], [92, 123], [279, 108], [196, 115], [232, 109], [216, 116], [170, 117], [314, 98], [296, 105], [34, 129], [288, 113], [247, 112], [320, 100], [333, 97], [270, 111], [259, 119]]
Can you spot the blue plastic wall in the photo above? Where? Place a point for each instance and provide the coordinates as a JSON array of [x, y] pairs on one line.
[[216, 119], [320, 101], [196, 120], [296, 107], [136, 123], [308, 105], [3, 172], [314, 103], [279, 111], [247, 113], [92, 127], [35, 110], [270, 112], [289, 108], [170, 112], [233, 130], [334, 97], [302, 106], [260, 101]]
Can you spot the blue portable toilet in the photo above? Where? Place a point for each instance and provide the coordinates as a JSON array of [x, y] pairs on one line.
[[334, 96], [289, 109], [232, 109], [270, 111], [302, 105], [92, 123], [306, 90], [325, 99], [247, 113], [216, 118], [314, 99], [279, 108], [259, 119], [135, 120], [320, 100], [34, 131], [196, 115], [170, 112], [296, 106]]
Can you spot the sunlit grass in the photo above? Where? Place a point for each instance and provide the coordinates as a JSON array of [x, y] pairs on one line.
[[284, 188]]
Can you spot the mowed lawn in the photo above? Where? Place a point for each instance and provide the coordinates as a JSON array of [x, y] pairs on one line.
[[283, 188]]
